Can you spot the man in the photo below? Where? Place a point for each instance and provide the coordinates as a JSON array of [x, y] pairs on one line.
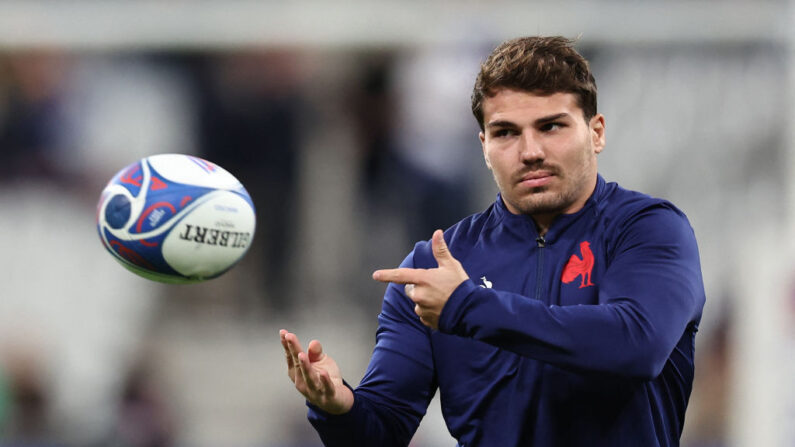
[[563, 315]]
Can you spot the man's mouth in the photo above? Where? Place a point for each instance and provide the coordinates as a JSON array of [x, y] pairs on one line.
[[536, 179]]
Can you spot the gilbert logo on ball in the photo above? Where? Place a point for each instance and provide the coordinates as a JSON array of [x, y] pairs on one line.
[[175, 218]]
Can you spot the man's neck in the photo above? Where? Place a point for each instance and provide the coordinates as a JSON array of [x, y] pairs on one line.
[[543, 221]]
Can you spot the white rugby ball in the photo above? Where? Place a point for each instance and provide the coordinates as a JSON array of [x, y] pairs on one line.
[[176, 218]]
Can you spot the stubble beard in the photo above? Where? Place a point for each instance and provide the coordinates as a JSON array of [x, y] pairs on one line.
[[545, 201]]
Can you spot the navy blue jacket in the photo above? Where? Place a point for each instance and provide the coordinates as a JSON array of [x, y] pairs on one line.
[[584, 337]]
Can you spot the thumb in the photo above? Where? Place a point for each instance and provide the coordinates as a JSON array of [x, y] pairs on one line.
[[439, 247], [315, 351]]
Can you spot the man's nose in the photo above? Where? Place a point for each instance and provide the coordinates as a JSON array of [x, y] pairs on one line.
[[531, 149]]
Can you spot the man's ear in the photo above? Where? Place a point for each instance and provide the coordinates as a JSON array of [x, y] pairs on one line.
[[597, 128], [482, 137]]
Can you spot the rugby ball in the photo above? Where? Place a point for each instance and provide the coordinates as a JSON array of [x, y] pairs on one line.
[[175, 218]]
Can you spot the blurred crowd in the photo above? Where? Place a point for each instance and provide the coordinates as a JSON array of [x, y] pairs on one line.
[[350, 157]]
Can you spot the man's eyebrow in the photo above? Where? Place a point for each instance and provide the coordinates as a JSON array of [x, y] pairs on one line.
[[501, 123], [538, 122], [546, 119]]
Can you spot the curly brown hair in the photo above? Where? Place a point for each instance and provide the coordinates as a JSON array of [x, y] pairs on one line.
[[544, 65]]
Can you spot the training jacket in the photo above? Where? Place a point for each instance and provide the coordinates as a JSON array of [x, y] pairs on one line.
[[582, 337]]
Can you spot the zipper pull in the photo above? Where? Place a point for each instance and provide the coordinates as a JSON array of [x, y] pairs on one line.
[[541, 242]]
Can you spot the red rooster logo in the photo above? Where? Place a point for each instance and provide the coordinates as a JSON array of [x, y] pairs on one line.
[[579, 267]]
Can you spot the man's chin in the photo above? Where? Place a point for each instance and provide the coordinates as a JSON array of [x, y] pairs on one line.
[[542, 202]]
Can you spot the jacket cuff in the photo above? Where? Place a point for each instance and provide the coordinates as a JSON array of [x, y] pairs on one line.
[[456, 305], [317, 415]]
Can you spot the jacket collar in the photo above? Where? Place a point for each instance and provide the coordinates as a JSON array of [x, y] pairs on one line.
[[524, 223]]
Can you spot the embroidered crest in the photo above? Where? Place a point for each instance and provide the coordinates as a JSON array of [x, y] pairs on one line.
[[579, 267]]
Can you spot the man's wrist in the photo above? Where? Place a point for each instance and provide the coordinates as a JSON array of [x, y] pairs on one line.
[[454, 309], [343, 406]]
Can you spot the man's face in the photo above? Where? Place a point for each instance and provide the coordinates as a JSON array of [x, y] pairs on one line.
[[541, 151]]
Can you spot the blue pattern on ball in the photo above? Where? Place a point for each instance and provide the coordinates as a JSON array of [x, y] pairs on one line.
[[117, 213], [148, 257]]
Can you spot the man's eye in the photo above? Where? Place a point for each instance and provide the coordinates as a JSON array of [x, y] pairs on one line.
[[548, 127], [500, 133]]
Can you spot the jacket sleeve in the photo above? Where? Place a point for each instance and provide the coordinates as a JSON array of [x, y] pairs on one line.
[[651, 291], [399, 383]]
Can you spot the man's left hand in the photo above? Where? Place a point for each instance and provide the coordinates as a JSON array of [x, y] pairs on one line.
[[429, 289]]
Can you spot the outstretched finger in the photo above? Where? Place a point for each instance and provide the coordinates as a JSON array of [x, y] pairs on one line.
[[315, 351], [439, 247], [326, 384], [306, 371], [287, 355], [400, 275], [294, 347]]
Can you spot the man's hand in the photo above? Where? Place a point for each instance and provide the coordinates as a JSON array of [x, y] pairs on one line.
[[316, 375], [429, 289]]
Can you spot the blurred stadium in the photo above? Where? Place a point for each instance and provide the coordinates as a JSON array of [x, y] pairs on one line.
[[349, 124]]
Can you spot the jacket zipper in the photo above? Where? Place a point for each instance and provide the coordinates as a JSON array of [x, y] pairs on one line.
[[541, 243]]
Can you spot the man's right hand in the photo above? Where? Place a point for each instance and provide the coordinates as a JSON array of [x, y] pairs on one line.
[[316, 375]]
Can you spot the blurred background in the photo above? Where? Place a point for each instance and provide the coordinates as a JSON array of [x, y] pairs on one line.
[[349, 124]]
